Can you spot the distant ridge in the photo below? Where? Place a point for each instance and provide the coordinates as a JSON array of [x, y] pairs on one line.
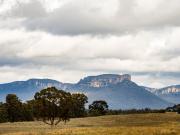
[[170, 93], [118, 90]]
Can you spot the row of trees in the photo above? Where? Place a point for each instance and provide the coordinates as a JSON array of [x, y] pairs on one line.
[[135, 111], [14, 110], [51, 106]]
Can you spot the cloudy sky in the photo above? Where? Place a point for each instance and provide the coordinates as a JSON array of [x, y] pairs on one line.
[[69, 39]]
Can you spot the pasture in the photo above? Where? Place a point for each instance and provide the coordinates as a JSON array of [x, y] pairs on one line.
[[131, 124]]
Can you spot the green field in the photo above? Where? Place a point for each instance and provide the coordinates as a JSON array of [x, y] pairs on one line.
[[132, 124]]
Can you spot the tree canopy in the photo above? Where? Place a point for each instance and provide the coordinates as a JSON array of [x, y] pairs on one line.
[[53, 105], [78, 108], [14, 108], [99, 107]]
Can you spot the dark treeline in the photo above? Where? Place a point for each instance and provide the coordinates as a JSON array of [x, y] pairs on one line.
[[52, 106], [135, 111], [14, 110]]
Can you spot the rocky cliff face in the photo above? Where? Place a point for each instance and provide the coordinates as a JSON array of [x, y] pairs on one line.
[[103, 80], [170, 94], [167, 90]]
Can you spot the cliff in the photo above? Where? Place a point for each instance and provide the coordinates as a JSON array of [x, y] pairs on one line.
[[103, 80]]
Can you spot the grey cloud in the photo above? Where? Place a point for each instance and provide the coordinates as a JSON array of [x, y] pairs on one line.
[[74, 19], [169, 54], [9, 61], [31, 10], [69, 22], [158, 74]]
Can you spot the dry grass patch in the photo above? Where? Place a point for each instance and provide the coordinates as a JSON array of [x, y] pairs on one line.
[[136, 124]]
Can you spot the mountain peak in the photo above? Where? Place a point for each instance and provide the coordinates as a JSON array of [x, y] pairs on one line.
[[104, 80]]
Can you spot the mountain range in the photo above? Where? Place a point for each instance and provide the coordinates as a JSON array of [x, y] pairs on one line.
[[118, 90]]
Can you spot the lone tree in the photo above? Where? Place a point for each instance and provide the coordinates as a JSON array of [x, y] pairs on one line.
[[53, 105], [98, 108]]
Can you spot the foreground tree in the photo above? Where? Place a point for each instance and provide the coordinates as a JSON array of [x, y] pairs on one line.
[[14, 108], [98, 108], [78, 104], [53, 105], [3, 113], [27, 112], [34, 106]]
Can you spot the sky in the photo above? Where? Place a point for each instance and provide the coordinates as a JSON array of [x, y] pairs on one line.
[[67, 40]]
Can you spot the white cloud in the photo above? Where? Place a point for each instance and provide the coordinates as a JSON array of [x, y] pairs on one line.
[[78, 38]]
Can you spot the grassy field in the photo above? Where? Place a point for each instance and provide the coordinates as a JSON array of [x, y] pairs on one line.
[[135, 124]]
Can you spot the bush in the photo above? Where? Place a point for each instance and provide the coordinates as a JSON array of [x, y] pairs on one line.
[[98, 108]]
